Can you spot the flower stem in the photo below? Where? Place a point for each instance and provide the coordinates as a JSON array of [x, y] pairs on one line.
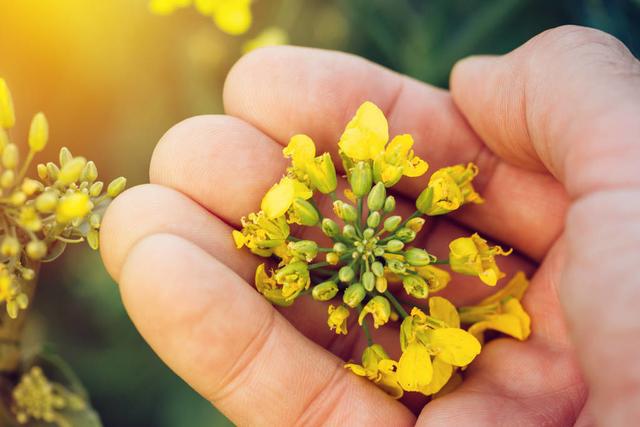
[[317, 265], [441, 261], [396, 304], [365, 328]]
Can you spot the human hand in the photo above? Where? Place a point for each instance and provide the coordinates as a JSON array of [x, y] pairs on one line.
[[554, 128]]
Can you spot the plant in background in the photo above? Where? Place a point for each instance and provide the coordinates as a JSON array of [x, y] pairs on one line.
[[369, 264], [38, 218], [230, 16]]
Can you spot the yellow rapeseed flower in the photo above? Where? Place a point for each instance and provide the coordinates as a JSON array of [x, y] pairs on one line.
[[262, 235], [378, 367], [73, 206], [337, 319], [267, 286], [380, 310], [473, 256], [316, 172], [501, 311], [397, 160], [448, 189], [436, 278], [280, 197]]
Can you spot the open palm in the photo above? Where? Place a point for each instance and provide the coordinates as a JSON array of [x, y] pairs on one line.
[[534, 121]]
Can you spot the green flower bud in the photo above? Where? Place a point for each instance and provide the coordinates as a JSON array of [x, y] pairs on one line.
[[349, 231], [368, 280], [90, 172], [339, 247], [425, 200], [36, 249], [406, 235], [305, 212], [394, 245], [378, 251], [322, 173], [38, 133], [345, 211], [361, 179], [96, 188], [368, 233], [346, 274], [330, 228], [415, 286], [418, 257], [304, 249], [374, 219], [354, 295], [391, 223], [324, 291], [116, 186], [377, 268], [376, 198], [389, 204]]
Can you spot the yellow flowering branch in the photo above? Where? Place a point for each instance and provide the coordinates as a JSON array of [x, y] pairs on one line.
[[367, 245]]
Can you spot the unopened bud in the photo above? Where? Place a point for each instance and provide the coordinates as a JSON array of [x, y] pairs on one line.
[[7, 178], [305, 211], [90, 172], [354, 295], [415, 224], [406, 235], [96, 188], [332, 258], [377, 268], [425, 200], [391, 223], [64, 156], [361, 179], [322, 173], [330, 228], [376, 198], [374, 219], [324, 291], [42, 171], [7, 113], [346, 274], [36, 249], [116, 187], [305, 249], [93, 239], [10, 156], [71, 171], [394, 245], [415, 286], [368, 280], [345, 211], [46, 202], [349, 231], [38, 133], [339, 247], [381, 284], [389, 204], [418, 257]]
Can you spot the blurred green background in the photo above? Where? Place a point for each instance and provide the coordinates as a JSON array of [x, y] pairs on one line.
[[112, 78]]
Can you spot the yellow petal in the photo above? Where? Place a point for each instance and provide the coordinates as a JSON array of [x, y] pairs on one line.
[[366, 134], [388, 378], [233, 17], [356, 369], [516, 288], [300, 149], [515, 322], [442, 309], [415, 167], [301, 190], [455, 346], [238, 238], [489, 277], [414, 367], [279, 198], [441, 373]]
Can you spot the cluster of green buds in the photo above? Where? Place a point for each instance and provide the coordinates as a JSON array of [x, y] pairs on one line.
[[40, 216]]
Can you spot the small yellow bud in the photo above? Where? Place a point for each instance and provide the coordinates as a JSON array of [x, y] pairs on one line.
[[31, 186], [64, 156], [73, 206], [96, 188], [10, 246], [379, 308], [36, 249], [17, 198], [10, 156], [7, 178], [389, 204], [374, 219], [93, 239], [28, 274], [116, 186], [415, 286], [90, 172], [415, 224], [71, 171], [42, 171], [345, 211], [391, 223], [38, 133], [377, 196], [322, 173], [381, 284], [332, 258], [52, 171], [7, 114], [46, 202], [306, 213]]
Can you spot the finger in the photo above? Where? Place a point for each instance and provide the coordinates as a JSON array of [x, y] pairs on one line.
[[285, 90], [234, 348], [568, 101]]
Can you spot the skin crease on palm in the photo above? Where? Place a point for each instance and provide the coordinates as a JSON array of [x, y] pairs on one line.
[[555, 129]]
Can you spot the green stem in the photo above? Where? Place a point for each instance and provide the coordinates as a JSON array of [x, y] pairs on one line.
[[317, 265], [365, 328], [441, 261], [396, 304]]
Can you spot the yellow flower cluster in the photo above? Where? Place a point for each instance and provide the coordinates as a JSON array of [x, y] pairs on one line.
[[35, 399], [39, 216], [231, 16], [373, 247]]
